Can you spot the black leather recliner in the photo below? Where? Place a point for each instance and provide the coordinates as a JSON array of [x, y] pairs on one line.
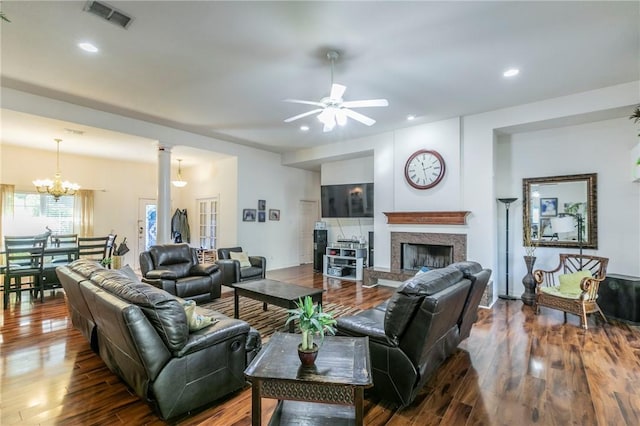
[[413, 333], [232, 272], [175, 269]]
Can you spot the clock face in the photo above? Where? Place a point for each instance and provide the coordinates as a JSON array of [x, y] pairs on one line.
[[424, 169]]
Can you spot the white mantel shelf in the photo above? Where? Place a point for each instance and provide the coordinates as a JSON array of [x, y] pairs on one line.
[[427, 218]]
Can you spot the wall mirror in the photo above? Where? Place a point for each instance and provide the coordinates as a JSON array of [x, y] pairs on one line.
[[556, 201]]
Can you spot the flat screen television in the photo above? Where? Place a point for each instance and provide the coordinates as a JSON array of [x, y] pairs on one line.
[[350, 200]]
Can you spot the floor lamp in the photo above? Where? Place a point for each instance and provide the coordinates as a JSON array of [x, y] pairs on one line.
[[507, 202]]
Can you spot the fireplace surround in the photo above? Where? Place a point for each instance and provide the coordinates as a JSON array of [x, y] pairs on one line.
[[457, 242]]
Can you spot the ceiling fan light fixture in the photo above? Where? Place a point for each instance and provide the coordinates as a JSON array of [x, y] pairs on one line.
[[341, 117], [327, 116], [333, 109]]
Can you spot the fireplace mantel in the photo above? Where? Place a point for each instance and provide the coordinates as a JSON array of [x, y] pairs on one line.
[[427, 218]]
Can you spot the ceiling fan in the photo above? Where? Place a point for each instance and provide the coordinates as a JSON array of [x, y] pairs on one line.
[[333, 109]]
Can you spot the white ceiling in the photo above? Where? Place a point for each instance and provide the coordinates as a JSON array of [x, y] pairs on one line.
[[223, 68]]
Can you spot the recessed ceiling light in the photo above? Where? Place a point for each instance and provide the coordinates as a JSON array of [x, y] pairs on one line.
[[304, 128], [88, 47], [411, 117], [511, 72]]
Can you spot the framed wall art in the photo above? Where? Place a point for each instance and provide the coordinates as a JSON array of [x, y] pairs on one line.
[[249, 215], [548, 207], [274, 214]]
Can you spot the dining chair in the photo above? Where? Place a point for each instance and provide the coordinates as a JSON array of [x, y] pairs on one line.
[[96, 248], [24, 266], [62, 240]]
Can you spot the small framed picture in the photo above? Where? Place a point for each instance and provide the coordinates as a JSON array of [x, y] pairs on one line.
[[262, 204], [548, 207], [261, 216], [274, 214], [249, 215]]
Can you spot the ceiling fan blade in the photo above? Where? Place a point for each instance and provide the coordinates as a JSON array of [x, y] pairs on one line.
[[337, 90], [359, 117], [304, 114], [299, 101], [366, 103]]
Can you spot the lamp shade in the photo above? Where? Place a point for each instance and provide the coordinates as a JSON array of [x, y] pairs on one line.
[[563, 224]]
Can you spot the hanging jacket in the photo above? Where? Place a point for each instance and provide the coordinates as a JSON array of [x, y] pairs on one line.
[[180, 226]]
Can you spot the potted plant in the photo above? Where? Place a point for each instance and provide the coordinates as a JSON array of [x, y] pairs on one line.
[[312, 321]]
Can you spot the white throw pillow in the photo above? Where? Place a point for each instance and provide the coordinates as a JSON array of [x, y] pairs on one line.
[[196, 321], [242, 257]]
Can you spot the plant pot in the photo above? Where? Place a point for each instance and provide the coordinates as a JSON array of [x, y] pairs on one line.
[[308, 356], [116, 262]]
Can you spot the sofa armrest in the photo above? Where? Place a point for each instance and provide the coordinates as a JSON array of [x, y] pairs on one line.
[[230, 271], [203, 269], [162, 274], [221, 331], [366, 323], [167, 285], [258, 262]]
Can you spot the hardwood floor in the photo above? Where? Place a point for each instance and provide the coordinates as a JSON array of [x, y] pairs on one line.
[[515, 368]]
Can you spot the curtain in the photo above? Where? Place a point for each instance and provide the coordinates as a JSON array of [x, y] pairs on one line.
[[83, 213], [6, 209]]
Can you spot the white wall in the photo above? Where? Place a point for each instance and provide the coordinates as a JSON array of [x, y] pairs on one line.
[[476, 176], [257, 175], [468, 145], [601, 147], [210, 180], [118, 185], [481, 183], [392, 192], [261, 177], [358, 170]]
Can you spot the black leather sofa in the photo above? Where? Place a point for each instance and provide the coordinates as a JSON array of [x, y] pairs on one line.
[[142, 334], [232, 272], [175, 268], [413, 333]]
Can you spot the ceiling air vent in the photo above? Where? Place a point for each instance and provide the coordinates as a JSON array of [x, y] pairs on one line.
[[108, 13]]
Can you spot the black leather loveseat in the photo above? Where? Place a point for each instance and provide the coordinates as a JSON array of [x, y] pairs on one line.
[[175, 268], [412, 333], [142, 334]]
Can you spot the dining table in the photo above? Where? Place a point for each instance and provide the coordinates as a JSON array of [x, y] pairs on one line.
[[62, 253]]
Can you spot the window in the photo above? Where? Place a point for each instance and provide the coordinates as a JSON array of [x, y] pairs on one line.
[[33, 212], [207, 222]]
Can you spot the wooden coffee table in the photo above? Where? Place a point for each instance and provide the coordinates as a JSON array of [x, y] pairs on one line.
[[274, 292], [309, 395]]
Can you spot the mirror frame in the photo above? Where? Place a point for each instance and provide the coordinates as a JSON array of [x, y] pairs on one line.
[[591, 179]]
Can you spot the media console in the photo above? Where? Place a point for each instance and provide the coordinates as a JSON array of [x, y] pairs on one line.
[[345, 261]]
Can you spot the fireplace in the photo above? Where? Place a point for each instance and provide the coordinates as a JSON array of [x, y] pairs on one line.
[[414, 256], [436, 250]]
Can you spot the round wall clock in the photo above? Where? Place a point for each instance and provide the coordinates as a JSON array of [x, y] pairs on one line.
[[424, 169]]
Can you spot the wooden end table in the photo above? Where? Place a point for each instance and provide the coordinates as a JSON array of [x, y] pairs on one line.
[[274, 292], [318, 393]]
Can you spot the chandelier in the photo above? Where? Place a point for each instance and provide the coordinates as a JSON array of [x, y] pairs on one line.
[[56, 187], [179, 182]]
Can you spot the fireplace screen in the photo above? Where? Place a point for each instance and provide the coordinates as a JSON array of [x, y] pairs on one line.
[[414, 256]]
